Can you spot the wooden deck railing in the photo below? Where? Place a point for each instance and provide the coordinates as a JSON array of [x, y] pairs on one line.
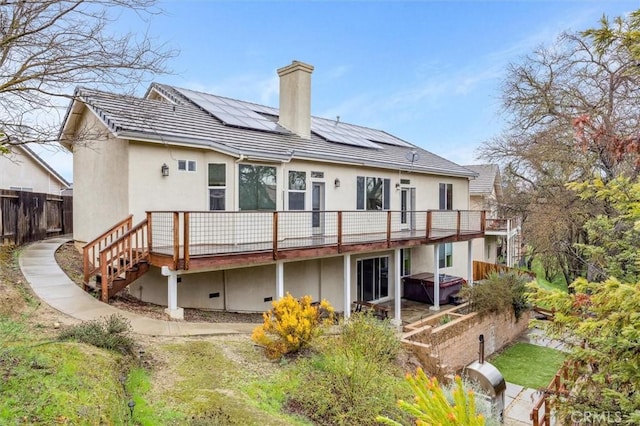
[[183, 235], [122, 255], [91, 250]]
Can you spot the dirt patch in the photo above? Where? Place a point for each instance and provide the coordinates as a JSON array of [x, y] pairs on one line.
[[70, 260], [17, 300]]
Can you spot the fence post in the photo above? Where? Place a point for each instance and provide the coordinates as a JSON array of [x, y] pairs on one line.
[[186, 240], [458, 231], [340, 231], [176, 239], [275, 235], [429, 222], [389, 228], [149, 233]]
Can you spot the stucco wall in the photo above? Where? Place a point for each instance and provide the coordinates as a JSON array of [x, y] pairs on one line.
[[19, 170], [101, 179]]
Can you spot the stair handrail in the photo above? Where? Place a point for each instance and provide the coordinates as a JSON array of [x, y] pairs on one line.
[[127, 251], [92, 249]]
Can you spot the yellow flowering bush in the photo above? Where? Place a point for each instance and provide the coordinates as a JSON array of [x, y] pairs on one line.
[[291, 324], [431, 406]]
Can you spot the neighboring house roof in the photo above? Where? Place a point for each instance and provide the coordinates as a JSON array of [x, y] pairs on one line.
[[38, 160], [488, 180], [179, 118]]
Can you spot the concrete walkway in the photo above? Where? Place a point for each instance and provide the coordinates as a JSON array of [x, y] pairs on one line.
[[52, 286]]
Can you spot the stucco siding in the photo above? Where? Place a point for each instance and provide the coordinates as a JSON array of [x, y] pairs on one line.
[[18, 170], [101, 170]]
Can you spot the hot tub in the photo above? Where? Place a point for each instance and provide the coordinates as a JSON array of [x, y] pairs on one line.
[[419, 287]]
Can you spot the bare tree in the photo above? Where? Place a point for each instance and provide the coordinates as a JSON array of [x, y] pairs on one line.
[[47, 47], [573, 112]]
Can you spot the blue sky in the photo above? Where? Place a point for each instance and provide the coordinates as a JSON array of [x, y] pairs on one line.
[[429, 72]]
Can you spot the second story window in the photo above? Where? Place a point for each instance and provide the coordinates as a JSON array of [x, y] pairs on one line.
[[217, 182], [446, 196], [256, 187], [297, 188], [373, 193], [186, 165]]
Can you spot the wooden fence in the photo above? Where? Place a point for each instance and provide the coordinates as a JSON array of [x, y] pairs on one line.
[[481, 270], [32, 216]]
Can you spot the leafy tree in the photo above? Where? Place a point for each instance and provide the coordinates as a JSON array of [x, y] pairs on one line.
[[571, 106], [600, 324], [614, 233], [49, 46]]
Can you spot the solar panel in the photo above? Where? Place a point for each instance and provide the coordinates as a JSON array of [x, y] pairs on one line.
[[232, 112], [339, 132]]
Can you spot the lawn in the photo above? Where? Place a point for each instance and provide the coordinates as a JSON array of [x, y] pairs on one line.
[[558, 282], [528, 365]]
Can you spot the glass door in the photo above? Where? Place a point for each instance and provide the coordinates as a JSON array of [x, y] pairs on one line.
[[317, 207], [373, 279], [408, 208]]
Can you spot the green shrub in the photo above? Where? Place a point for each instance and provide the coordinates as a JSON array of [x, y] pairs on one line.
[[291, 324], [112, 332], [498, 293], [353, 378]]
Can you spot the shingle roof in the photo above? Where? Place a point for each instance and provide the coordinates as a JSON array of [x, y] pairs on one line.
[[182, 121], [485, 183]]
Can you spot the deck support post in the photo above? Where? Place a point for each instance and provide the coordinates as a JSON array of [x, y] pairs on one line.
[[397, 320], [436, 278], [279, 279], [470, 262], [347, 285], [172, 310]]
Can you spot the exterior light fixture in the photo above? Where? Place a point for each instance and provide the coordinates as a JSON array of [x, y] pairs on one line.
[[165, 170], [131, 406], [336, 183]]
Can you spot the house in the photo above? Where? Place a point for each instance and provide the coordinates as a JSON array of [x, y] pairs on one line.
[[501, 244], [196, 200], [21, 169]]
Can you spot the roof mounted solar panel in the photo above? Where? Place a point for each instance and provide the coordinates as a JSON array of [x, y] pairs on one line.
[[232, 112], [337, 132]]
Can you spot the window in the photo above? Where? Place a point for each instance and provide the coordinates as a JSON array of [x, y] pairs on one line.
[[373, 278], [373, 193], [317, 175], [257, 187], [217, 180], [445, 255], [405, 262], [297, 188], [446, 196], [186, 165]]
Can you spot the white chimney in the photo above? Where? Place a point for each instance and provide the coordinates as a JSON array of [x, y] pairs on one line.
[[295, 98]]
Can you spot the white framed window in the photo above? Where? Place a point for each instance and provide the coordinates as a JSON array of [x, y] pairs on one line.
[[373, 193], [405, 262], [297, 189], [446, 196], [187, 165], [256, 187], [217, 183], [445, 255]]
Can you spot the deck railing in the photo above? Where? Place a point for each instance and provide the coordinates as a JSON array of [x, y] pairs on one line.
[[91, 250], [183, 235]]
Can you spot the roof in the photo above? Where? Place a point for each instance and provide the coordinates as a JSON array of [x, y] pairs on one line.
[[174, 116], [487, 181], [38, 160]]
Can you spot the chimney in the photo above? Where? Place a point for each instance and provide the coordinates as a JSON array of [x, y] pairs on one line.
[[295, 98]]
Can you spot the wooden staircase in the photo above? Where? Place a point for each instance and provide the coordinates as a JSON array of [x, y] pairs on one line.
[[117, 258]]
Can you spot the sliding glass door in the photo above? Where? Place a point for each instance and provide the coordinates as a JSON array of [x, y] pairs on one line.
[[373, 278]]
